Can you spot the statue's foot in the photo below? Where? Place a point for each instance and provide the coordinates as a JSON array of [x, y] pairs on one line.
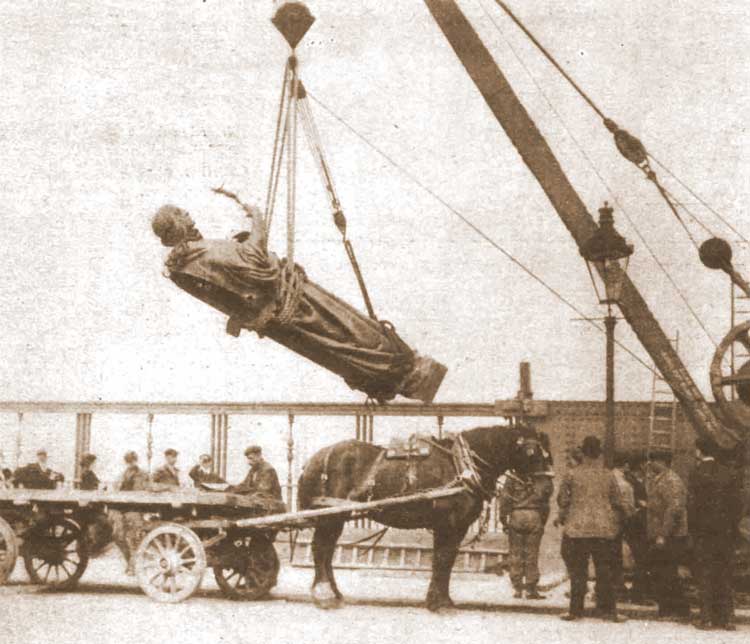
[[324, 596]]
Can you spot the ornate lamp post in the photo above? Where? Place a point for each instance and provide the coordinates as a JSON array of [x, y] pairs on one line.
[[607, 255]]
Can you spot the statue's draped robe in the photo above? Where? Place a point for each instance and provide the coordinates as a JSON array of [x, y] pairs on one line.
[[248, 284]]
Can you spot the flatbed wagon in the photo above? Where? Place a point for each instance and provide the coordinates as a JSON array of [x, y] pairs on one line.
[[186, 532]]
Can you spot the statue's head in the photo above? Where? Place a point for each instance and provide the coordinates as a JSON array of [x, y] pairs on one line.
[[172, 225]]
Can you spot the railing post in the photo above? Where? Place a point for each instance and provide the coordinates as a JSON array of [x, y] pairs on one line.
[[290, 464], [150, 443], [224, 441], [19, 439], [440, 421], [83, 441]]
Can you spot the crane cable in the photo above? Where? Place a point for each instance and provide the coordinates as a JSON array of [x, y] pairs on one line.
[[616, 200], [476, 229], [628, 145], [294, 108]]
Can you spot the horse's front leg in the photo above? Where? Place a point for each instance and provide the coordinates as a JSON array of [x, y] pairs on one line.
[[446, 542]]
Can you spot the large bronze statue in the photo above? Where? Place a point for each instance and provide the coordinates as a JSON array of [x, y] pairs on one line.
[[261, 293]]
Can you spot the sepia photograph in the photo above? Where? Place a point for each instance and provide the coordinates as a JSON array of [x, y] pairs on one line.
[[366, 321]]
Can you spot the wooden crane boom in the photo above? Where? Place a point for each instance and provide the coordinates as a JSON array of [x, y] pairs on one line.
[[539, 158]]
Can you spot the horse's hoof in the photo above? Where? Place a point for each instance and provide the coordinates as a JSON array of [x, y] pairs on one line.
[[324, 596], [440, 604]]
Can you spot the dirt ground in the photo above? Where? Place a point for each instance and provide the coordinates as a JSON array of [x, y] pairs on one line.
[[109, 607]]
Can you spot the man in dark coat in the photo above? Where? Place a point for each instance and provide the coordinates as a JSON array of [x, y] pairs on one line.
[[89, 480], [38, 476], [714, 513], [202, 472], [591, 510], [666, 525], [261, 480], [168, 476]]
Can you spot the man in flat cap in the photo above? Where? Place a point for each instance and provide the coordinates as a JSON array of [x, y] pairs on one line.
[[261, 480], [203, 472], [714, 513], [667, 531], [168, 476]]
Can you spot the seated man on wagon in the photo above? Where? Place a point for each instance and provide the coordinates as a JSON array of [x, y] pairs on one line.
[[261, 481], [203, 472], [37, 476], [167, 477]]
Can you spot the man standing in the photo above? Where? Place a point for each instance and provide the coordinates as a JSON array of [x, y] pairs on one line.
[[635, 530], [590, 506], [202, 472], [620, 470], [261, 480], [714, 513], [666, 524], [524, 509], [127, 527], [168, 476]]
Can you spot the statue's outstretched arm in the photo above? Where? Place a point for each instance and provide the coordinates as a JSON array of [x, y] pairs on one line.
[[258, 232]]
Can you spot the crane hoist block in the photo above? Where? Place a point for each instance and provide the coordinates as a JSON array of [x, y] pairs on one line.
[[261, 293]]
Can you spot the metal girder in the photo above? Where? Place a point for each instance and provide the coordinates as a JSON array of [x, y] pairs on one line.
[[539, 158], [498, 409]]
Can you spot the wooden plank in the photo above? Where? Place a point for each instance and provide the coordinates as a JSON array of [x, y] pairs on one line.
[[292, 518], [171, 499]]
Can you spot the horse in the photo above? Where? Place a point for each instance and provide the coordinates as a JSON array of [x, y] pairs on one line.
[[357, 471]]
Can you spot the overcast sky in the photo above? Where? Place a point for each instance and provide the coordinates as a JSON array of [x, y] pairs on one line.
[[109, 109]]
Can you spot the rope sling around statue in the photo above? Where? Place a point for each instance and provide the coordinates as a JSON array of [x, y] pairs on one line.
[[274, 297]]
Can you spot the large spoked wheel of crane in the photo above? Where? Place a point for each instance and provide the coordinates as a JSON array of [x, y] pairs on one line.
[[8, 550], [170, 563], [55, 553], [250, 573], [730, 382]]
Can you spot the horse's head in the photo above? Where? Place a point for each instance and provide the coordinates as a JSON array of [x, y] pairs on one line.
[[531, 450]]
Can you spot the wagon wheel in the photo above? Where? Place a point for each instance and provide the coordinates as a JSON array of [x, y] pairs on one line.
[[8, 550], [170, 563], [727, 382], [55, 553], [254, 574]]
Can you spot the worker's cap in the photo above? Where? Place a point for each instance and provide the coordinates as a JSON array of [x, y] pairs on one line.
[[705, 446], [87, 460], [170, 452], [205, 457], [131, 457], [41, 452], [253, 449]]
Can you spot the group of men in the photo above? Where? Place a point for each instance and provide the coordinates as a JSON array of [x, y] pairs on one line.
[[644, 503], [127, 528]]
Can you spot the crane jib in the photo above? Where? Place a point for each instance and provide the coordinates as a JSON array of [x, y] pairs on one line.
[[541, 161]]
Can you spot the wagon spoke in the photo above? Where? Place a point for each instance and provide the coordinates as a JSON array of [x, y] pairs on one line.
[[46, 575]]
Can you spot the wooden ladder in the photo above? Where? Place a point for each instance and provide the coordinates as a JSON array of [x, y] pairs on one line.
[[662, 430]]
